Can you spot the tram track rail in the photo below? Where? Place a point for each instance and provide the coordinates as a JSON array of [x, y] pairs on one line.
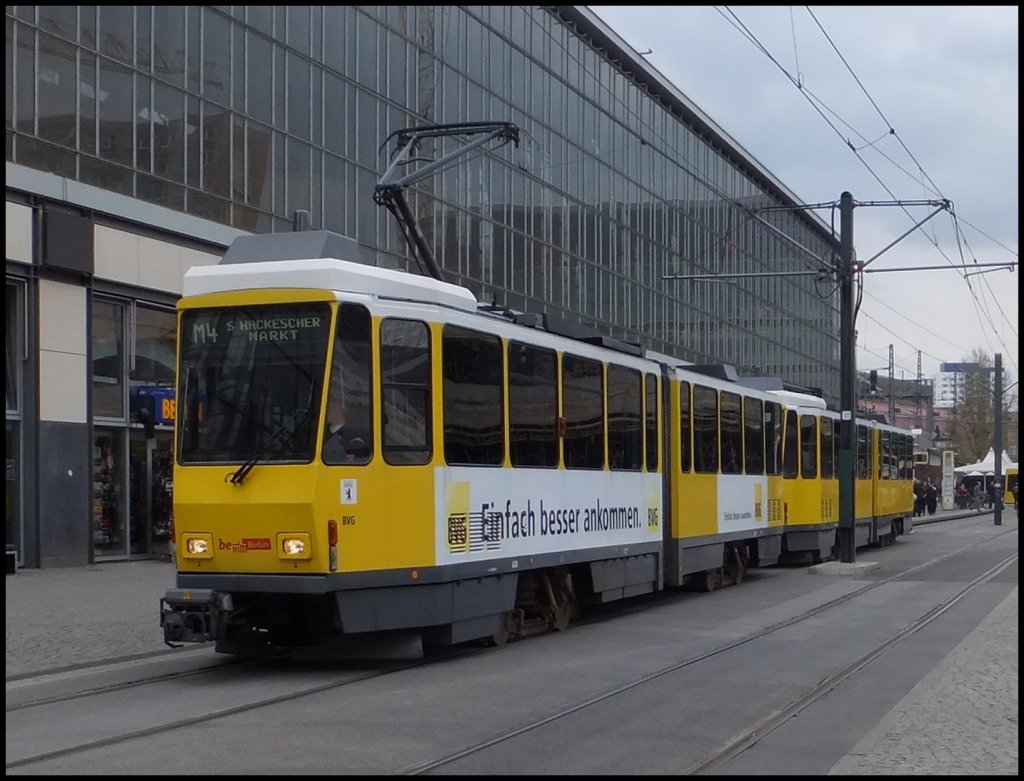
[[766, 727], [746, 738], [759, 731], [177, 724]]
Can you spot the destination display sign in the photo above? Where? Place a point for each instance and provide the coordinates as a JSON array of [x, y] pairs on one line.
[[298, 328], [228, 326]]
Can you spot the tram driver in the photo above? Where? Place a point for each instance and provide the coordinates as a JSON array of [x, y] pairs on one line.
[[335, 451], [342, 441]]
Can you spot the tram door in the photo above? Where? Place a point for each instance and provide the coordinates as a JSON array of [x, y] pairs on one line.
[[151, 473]]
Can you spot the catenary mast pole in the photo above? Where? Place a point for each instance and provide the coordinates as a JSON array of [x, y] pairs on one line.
[[847, 382], [997, 441]]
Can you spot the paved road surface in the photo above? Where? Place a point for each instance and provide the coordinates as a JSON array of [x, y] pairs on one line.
[[961, 718]]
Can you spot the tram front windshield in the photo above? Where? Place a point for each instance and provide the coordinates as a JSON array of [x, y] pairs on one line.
[[250, 381]]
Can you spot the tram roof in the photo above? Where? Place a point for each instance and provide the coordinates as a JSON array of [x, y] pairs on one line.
[[319, 260], [797, 399]]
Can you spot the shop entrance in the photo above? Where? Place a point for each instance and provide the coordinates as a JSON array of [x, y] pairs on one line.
[[151, 511], [132, 497]]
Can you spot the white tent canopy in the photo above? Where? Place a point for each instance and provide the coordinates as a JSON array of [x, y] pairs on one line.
[[987, 465]]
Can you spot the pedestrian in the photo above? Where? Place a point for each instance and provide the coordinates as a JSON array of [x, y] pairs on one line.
[[931, 496], [977, 496], [918, 498], [962, 496]]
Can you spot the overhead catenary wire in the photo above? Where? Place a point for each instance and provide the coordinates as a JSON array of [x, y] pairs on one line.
[[981, 307]]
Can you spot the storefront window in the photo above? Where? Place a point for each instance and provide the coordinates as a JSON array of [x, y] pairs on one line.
[[107, 359], [151, 377], [13, 502], [108, 498], [14, 347], [133, 347], [12, 447]]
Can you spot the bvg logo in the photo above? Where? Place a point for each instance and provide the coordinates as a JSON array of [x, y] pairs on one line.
[[653, 519]]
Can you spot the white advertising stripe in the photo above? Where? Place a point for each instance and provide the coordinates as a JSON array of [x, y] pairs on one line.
[[495, 513]]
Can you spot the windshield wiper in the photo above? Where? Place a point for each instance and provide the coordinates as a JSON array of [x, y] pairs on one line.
[[290, 426]]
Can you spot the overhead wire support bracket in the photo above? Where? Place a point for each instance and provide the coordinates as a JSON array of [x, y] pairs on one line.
[[943, 205], [390, 189], [747, 275]]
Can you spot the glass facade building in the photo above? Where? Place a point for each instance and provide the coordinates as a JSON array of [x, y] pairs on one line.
[[239, 116]]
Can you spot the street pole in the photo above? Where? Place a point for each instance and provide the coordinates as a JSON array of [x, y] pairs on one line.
[[997, 442], [847, 383], [846, 269]]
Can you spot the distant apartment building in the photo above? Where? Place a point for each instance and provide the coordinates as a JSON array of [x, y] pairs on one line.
[[903, 403], [950, 385]]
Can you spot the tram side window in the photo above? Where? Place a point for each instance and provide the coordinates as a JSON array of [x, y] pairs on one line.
[[625, 416], [705, 429], [790, 452], [405, 390], [828, 465], [651, 439], [532, 405], [583, 410], [837, 427], [884, 472], [808, 446], [753, 435], [349, 420], [863, 454], [685, 428], [731, 433], [773, 437], [472, 367]]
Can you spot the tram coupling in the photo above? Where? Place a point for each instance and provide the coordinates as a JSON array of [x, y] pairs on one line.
[[190, 615]]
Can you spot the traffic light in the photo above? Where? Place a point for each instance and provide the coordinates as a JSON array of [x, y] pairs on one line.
[[873, 381], [146, 417]]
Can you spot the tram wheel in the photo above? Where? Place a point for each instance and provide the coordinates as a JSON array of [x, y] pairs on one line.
[[562, 614], [738, 570], [504, 632], [712, 579], [741, 572], [561, 599]]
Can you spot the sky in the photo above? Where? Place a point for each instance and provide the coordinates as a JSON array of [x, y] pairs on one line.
[[891, 104]]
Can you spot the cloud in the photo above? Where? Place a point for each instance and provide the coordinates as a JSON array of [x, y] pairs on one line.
[[945, 79]]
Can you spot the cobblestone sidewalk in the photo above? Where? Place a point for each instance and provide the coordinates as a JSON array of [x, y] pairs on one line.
[[961, 719]]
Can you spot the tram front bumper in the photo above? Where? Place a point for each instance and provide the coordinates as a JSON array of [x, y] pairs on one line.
[[192, 615]]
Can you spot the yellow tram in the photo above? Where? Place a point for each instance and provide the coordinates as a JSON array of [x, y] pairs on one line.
[[363, 452]]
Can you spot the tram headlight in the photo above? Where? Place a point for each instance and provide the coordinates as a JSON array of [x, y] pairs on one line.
[[291, 545], [196, 546]]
